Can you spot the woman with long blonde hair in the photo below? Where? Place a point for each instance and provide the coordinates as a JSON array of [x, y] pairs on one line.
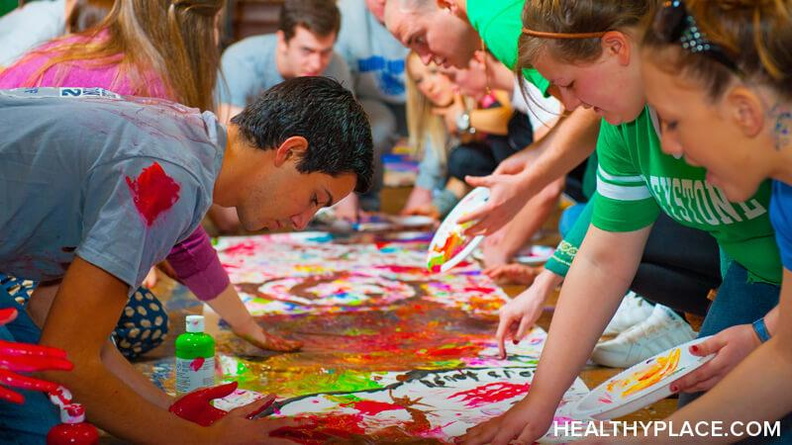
[[152, 48]]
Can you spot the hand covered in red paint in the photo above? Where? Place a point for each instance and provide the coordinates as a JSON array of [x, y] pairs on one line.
[[197, 407], [522, 424], [731, 345], [254, 334], [525, 309], [235, 426], [23, 357]]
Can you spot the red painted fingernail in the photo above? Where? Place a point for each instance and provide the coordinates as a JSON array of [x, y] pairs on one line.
[[694, 348]]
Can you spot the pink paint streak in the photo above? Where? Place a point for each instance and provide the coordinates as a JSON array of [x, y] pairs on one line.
[[491, 393], [247, 248], [153, 192], [403, 269], [196, 364], [483, 290]]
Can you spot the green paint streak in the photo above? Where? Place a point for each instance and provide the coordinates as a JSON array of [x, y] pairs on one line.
[[343, 398]]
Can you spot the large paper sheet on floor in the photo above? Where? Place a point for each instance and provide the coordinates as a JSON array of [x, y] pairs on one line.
[[393, 353]]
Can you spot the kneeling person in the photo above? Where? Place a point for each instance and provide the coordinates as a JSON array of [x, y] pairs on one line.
[[115, 183]]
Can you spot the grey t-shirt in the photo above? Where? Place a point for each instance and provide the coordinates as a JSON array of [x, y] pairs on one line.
[[375, 57], [115, 181], [248, 68]]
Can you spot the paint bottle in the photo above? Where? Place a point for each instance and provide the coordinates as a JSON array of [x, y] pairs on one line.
[[73, 430], [195, 362]]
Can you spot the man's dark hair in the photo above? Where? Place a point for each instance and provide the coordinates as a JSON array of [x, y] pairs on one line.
[[320, 17], [325, 114]]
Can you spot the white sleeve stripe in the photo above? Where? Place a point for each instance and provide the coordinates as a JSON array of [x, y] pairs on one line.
[[622, 193], [611, 178]]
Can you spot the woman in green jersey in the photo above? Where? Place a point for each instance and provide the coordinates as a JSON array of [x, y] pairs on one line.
[[590, 51]]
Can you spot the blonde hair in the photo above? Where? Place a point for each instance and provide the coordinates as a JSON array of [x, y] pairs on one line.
[[569, 30], [422, 124], [756, 36], [173, 38]]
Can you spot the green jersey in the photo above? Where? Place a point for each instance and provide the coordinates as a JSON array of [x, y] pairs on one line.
[[636, 180], [499, 23]]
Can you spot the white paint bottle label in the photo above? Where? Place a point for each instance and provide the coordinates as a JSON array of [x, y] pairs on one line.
[[195, 373]]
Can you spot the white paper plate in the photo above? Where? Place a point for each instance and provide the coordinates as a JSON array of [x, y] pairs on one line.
[[449, 245], [641, 385]]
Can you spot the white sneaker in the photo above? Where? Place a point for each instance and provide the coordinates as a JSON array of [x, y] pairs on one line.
[[633, 310], [663, 329]]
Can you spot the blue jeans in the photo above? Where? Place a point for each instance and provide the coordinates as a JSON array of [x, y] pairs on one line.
[[741, 302], [27, 423]]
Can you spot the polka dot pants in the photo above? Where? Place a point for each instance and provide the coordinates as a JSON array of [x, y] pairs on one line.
[[142, 327]]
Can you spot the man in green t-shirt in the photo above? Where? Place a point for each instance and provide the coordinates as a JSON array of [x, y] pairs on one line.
[[448, 32]]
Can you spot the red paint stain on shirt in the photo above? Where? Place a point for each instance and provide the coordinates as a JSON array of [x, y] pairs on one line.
[[491, 393], [153, 192]]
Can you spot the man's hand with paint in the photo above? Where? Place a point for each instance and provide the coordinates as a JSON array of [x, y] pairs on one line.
[[255, 335], [230, 307], [21, 357], [197, 407]]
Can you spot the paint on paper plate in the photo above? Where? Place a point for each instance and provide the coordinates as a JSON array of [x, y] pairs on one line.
[[652, 372], [450, 246]]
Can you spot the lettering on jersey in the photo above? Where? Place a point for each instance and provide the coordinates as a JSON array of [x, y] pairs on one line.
[[153, 192], [698, 202], [88, 92]]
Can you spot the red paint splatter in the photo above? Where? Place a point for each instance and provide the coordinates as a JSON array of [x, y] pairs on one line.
[[196, 364], [372, 407], [449, 351], [483, 290], [153, 192], [491, 393], [247, 248], [316, 430]]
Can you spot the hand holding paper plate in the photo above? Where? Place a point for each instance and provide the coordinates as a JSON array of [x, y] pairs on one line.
[[450, 245], [641, 385]]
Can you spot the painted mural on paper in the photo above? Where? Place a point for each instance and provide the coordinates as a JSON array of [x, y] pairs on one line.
[[393, 353]]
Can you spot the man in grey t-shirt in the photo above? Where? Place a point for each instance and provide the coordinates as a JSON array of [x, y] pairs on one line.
[[96, 189], [302, 46]]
